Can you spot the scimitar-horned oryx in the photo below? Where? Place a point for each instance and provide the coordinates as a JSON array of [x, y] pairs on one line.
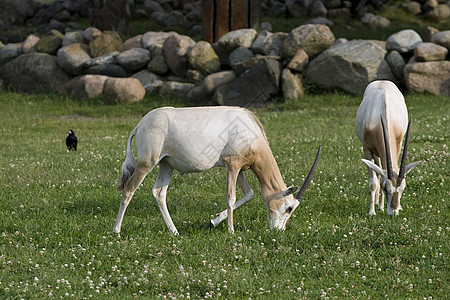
[[197, 139], [381, 123]]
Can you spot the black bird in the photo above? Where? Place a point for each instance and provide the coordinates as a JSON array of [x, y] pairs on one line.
[[71, 141]]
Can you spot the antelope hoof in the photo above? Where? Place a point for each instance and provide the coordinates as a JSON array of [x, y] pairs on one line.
[[372, 213]]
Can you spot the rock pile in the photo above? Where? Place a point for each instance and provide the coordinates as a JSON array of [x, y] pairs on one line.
[[242, 68]]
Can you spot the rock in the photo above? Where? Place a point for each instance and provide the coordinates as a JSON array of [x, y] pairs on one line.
[[320, 21], [431, 77], [349, 67], [342, 13], [237, 38], [29, 43], [196, 95], [155, 39], [164, 19], [110, 58], [109, 41], [430, 32], [152, 6], [176, 89], [194, 76], [313, 39], [74, 37], [442, 38], [153, 86], [72, 57], [412, 7], [108, 70], [429, 52], [123, 90], [203, 58], [403, 41], [239, 57], [34, 72], [318, 9], [331, 4], [213, 81], [266, 26], [374, 21], [223, 54], [134, 59], [258, 44], [158, 64], [299, 61], [145, 77], [49, 43], [176, 48], [298, 8], [91, 33], [274, 44], [275, 9], [341, 41], [439, 13], [254, 87], [397, 64], [291, 85], [88, 86], [15, 12], [134, 42], [9, 52]]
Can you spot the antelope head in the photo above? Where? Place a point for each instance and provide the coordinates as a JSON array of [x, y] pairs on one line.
[[279, 211], [393, 184]]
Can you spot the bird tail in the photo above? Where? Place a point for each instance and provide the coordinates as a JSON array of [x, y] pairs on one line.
[[129, 165]]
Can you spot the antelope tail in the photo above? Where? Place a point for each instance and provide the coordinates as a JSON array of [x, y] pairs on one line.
[[129, 165]]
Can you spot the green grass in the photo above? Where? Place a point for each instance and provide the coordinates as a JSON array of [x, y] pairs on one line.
[[57, 210]]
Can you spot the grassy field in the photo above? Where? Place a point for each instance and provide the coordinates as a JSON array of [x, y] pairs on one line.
[[57, 210]]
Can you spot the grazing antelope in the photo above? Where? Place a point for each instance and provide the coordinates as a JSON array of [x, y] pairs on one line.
[[197, 139], [381, 122]]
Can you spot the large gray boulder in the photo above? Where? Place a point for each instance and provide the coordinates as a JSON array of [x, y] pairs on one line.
[[312, 38], [237, 38], [176, 49], [72, 57], [254, 87], [442, 38], [432, 77], [155, 38], [87, 86], [213, 81], [134, 59], [403, 41], [349, 67], [123, 90], [203, 58], [34, 72], [109, 41], [397, 64], [429, 52]]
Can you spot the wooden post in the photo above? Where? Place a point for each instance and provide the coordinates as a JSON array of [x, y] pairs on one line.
[[222, 16]]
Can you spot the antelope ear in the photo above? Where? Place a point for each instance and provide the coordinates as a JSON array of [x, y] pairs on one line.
[[290, 190], [375, 168], [411, 166]]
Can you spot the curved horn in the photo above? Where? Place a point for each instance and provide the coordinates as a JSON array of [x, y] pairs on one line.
[[309, 177], [386, 145], [401, 175]]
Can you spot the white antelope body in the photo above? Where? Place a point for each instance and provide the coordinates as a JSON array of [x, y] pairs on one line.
[[381, 122], [197, 139]]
